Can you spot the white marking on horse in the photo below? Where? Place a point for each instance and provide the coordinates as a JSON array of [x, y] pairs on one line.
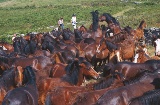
[[98, 51], [136, 58], [157, 46], [3, 48]]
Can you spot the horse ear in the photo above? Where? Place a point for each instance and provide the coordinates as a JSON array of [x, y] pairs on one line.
[[35, 64]]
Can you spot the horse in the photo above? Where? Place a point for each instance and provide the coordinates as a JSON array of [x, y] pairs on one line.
[[10, 79], [91, 97], [130, 69], [126, 50], [139, 33], [27, 94], [7, 46], [78, 36], [96, 30], [141, 56], [149, 98], [122, 95], [113, 24], [69, 94], [75, 72]]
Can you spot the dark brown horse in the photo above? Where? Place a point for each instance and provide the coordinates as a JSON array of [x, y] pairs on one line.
[[149, 98], [113, 24], [10, 79], [27, 94], [123, 95]]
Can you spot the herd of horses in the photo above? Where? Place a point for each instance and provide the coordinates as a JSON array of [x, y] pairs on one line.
[[102, 65]]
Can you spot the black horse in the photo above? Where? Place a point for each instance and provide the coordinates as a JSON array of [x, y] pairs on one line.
[[25, 95]]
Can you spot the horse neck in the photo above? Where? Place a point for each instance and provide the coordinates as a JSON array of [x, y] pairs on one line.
[[31, 79], [80, 78]]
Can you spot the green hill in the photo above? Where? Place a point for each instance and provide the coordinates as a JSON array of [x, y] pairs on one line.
[[23, 16]]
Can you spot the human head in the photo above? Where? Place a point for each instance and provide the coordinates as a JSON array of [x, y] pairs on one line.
[[61, 18], [14, 35], [73, 15]]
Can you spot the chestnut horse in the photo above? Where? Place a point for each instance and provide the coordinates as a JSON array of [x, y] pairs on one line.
[[10, 79], [126, 50], [122, 95], [139, 32], [27, 94], [130, 70], [113, 24], [75, 73], [7, 46], [68, 95]]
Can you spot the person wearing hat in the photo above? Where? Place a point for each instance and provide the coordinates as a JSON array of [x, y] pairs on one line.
[[60, 23], [73, 21]]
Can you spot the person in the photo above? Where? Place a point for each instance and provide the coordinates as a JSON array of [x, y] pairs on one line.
[[60, 23], [73, 21], [14, 36]]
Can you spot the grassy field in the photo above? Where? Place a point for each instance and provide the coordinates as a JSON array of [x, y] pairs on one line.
[[23, 16]]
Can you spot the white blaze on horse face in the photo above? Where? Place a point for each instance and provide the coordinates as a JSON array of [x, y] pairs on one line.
[[111, 34], [135, 58], [98, 51], [157, 46]]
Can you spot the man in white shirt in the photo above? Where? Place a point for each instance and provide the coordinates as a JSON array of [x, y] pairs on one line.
[[73, 21]]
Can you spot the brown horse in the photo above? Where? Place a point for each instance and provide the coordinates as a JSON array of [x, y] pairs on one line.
[[122, 95], [126, 50], [68, 95], [7, 46], [139, 31], [113, 24], [10, 79], [141, 56], [75, 73], [148, 98], [27, 94]]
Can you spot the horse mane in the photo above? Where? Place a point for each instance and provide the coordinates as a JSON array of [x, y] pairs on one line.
[[111, 45], [83, 27], [109, 17], [104, 83], [95, 20], [149, 98], [30, 75], [72, 70]]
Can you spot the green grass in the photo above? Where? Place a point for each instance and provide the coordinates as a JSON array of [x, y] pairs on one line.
[[23, 16]]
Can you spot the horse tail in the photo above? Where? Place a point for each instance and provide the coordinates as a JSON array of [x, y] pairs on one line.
[[48, 100]]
